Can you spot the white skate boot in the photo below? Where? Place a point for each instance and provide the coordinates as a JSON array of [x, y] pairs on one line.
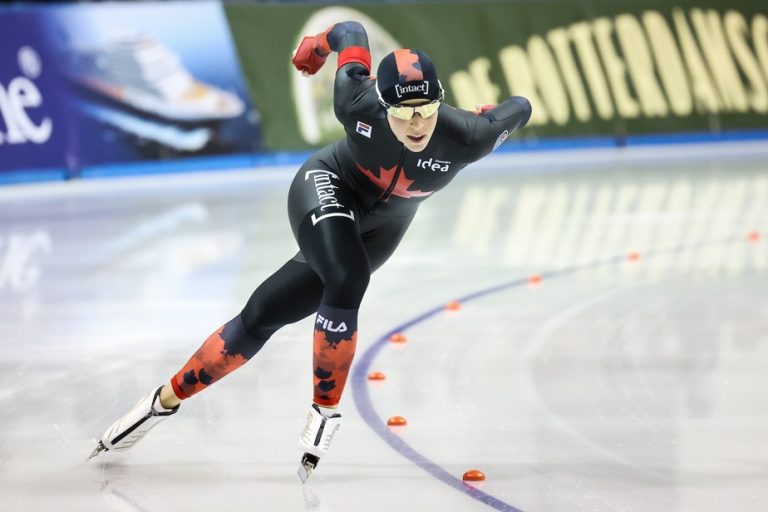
[[132, 427], [316, 439]]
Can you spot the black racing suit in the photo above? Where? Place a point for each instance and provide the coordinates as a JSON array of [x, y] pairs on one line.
[[349, 206], [352, 201]]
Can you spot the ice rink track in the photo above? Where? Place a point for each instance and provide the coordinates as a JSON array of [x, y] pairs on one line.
[[609, 352]]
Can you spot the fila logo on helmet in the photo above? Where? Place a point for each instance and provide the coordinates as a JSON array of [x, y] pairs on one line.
[[328, 325]]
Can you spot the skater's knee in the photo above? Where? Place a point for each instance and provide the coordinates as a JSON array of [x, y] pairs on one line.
[[346, 285], [243, 337], [257, 325]]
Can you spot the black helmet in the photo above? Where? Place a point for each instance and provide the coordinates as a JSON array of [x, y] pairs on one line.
[[407, 74]]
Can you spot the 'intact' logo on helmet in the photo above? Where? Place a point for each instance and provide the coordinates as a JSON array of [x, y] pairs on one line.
[[423, 88]]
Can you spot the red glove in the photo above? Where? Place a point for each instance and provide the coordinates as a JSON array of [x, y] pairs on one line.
[[479, 109], [311, 54]]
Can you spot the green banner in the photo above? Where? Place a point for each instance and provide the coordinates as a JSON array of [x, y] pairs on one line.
[[592, 68]]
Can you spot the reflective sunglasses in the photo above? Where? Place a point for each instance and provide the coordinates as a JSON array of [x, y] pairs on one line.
[[406, 112]]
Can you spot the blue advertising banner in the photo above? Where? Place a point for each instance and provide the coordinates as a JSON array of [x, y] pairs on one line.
[[92, 84], [32, 125]]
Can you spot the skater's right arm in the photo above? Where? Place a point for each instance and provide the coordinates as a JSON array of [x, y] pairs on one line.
[[350, 41]]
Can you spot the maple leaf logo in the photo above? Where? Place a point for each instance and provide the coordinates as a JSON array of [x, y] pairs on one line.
[[408, 66], [384, 180]]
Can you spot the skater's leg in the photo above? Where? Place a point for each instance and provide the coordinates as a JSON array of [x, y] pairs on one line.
[[325, 222], [334, 250], [344, 260], [290, 294], [224, 351], [327, 226]]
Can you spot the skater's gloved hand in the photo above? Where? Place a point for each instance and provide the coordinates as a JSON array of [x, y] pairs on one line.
[[312, 53], [480, 109]]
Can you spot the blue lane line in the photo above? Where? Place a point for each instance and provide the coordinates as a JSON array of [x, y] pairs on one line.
[[365, 408], [362, 397], [364, 405]]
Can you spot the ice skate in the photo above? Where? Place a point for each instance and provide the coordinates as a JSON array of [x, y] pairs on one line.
[[129, 429], [316, 439]]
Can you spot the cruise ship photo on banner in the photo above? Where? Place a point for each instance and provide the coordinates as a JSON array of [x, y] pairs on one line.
[[140, 86], [143, 88], [139, 71]]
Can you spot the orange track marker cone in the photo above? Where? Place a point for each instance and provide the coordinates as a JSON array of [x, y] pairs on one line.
[[397, 421], [474, 475], [454, 305]]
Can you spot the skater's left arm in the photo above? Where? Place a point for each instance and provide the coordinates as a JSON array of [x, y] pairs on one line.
[[492, 124]]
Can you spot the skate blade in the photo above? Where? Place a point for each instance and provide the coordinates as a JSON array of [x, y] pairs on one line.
[[308, 463], [99, 448], [304, 471]]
